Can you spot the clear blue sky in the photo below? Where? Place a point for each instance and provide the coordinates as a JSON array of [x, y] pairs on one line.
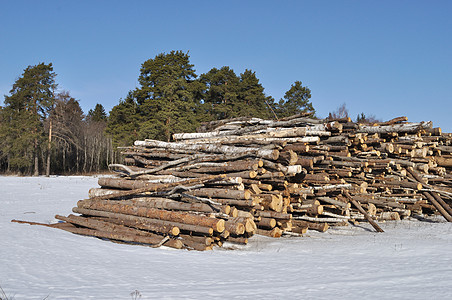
[[386, 58]]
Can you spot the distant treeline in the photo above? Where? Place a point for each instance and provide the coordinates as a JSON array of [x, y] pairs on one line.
[[43, 131]]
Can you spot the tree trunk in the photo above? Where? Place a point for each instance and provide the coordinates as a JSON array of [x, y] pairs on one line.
[[49, 148], [36, 159]]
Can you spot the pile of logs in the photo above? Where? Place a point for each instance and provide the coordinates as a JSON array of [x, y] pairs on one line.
[[239, 177]]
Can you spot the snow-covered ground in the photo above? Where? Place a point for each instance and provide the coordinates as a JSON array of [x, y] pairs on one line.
[[411, 260]]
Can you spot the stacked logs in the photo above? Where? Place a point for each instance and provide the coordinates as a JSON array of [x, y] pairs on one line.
[[239, 177]]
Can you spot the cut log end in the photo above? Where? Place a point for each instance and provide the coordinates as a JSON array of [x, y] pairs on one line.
[[220, 226]]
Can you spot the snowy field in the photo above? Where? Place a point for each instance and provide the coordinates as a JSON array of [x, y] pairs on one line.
[[411, 260]]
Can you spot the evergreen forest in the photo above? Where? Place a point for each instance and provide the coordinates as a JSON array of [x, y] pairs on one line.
[[44, 131]]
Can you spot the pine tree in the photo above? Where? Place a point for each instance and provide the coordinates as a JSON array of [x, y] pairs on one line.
[[296, 100], [26, 108], [166, 103], [254, 102], [123, 123], [221, 97]]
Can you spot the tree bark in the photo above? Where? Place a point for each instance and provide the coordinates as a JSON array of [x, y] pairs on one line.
[[322, 227], [438, 206], [399, 128], [269, 154], [161, 203], [150, 240], [162, 187], [180, 217], [361, 210], [134, 221], [147, 223], [49, 148], [221, 193], [35, 158]]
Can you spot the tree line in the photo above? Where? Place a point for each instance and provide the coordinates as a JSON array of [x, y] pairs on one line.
[[171, 98], [43, 131]]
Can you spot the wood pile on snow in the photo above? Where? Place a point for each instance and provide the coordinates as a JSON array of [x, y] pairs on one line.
[[245, 176]]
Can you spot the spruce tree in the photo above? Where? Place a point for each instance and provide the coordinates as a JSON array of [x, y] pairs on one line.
[[97, 114]]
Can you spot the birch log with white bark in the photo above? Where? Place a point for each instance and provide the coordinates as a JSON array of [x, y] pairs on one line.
[[399, 128], [269, 154]]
